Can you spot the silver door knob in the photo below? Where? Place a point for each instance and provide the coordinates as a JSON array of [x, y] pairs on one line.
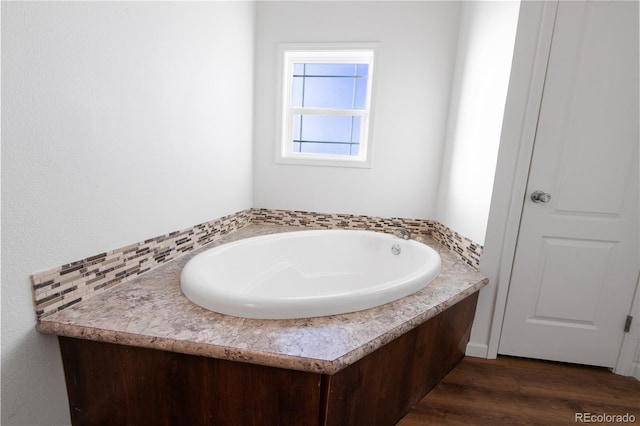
[[540, 197]]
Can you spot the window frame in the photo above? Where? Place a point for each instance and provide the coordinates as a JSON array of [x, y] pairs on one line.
[[338, 53]]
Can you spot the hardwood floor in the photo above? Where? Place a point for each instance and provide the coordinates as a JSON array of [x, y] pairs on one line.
[[521, 391]]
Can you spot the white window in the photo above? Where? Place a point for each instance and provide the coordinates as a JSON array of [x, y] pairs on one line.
[[326, 105]]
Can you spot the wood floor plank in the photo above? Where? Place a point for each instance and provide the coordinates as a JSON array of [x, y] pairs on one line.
[[521, 391]]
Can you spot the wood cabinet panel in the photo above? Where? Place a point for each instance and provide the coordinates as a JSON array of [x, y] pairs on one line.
[[383, 386], [124, 385]]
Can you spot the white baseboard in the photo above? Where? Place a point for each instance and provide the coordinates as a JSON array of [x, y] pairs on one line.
[[477, 350]]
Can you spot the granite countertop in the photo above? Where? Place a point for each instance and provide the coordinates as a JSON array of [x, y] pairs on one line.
[[151, 311]]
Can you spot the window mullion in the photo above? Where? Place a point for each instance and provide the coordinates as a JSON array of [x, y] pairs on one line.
[[328, 111]]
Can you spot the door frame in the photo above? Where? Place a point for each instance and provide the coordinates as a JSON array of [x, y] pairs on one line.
[[530, 60]]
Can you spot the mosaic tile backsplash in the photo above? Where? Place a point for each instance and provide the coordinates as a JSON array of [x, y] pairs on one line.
[[58, 288], [66, 285], [335, 221], [463, 247]]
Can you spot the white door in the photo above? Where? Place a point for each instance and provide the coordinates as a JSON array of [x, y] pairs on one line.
[[576, 263]]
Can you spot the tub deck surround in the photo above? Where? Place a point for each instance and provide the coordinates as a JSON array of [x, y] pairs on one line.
[[150, 311], [59, 288]]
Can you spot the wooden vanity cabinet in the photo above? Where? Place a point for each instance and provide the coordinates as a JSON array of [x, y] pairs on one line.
[[112, 384]]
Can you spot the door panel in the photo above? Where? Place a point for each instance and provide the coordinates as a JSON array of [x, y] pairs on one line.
[[572, 270], [575, 267]]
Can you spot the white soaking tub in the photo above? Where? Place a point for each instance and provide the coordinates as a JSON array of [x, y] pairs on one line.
[[308, 273]]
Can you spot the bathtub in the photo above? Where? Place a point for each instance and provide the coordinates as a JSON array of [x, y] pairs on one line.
[[306, 274]]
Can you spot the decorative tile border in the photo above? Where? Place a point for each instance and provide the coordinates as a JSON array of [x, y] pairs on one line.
[[333, 221], [64, 286], [464, 248]]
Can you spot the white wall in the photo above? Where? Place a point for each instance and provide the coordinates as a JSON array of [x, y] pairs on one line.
[[120, 121], [481, 77], [124, 121], [413, 67], [531, 48]]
